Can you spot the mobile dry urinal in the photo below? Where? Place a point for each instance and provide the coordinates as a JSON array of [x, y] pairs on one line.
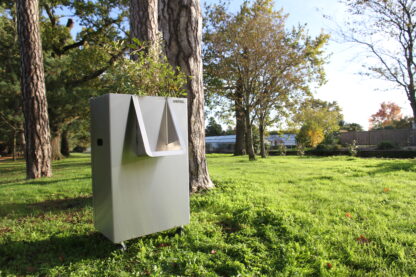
[[139, 165]]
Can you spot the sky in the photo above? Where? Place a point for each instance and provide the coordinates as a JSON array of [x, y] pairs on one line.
[[358, 96]]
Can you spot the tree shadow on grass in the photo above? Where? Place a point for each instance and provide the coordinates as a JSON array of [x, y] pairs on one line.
[[38, 257], [39, 182], [387, 167], [30, 209], [69, 165], [7, 168], [10, 167]]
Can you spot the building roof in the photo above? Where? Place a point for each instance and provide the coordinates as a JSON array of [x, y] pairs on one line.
[[287, 139], [221, 139]]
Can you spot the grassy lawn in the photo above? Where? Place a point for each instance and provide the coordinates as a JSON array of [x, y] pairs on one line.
[[283, 216]]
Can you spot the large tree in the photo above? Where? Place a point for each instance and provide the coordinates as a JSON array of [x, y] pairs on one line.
[[258, 65], [35, 107], [144, 22], [181, 25], [387, 29]]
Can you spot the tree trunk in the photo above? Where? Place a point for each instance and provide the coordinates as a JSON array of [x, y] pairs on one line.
[[262, 144], [240, 126], [413, 105], [22, 141], [56, 146], [181, 25], [65, 144], [14, 145], [35, 106], [246, 142], [249, 138], [144, 22]]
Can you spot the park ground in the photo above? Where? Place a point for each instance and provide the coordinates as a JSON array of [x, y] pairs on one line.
[[282, 216]]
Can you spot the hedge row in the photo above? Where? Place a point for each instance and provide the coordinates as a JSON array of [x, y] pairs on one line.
[[404, 154]]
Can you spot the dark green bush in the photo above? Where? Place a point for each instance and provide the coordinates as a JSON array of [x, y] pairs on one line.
[[328, 147], [386, 145], [397, 154]]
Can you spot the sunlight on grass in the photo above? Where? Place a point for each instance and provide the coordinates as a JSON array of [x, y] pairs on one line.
[[335, 216]]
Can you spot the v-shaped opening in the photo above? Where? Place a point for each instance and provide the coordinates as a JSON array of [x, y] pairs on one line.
[[168, 139]]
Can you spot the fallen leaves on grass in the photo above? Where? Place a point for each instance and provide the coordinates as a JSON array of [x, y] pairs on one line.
[[329, 265], [362, 240], [163, 245], [348, 215], [213, 251], [5, 230], [386, 189]]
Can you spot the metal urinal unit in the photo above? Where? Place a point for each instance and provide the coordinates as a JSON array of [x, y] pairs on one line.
[[139, 165]]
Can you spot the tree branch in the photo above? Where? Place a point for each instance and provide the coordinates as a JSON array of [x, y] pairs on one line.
[[98, 72]]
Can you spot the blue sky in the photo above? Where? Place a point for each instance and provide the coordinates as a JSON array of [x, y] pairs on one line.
[[358, 96]]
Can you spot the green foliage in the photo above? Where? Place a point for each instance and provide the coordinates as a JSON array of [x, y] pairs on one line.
[[72, 64], [310, 134], [386, 145], [283, 216], [255, 63], [403, 123], [87, 64], [213, 128], [350, 126], [146, 75], [318, 119], [11, 116]]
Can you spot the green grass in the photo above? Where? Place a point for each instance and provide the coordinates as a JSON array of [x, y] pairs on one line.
[[283, 216]]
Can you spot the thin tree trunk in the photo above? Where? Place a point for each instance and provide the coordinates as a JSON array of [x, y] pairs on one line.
[[246, 142], [144, 22], [240, 128], [413, 105], [181, 25], [65, 144], [56, 146], [22, 143], [262, 144], [35, 106], [249, 136], [14, 145]]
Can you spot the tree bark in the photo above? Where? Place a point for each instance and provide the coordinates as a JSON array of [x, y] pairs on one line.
[[14, 145], [249, 138], [65, 143], [35, 106], [413, 105], [144, 22], [22, 141], [56, 146], [262, 144], [181, 25], [240, 126]]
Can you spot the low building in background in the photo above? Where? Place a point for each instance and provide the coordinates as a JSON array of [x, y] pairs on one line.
[[220, 144], [225, 144], [288, 140]]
